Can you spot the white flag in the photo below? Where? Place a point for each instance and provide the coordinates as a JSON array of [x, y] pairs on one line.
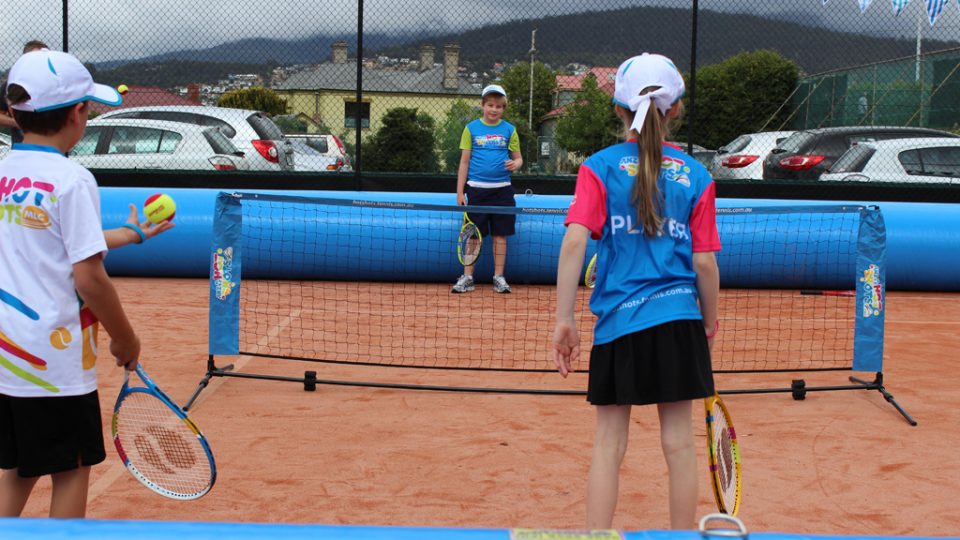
[[864, 4], [899, 5], [934, 7]]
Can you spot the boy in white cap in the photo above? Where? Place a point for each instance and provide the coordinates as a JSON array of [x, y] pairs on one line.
[[652, 208], [490, 152], [54, 289]]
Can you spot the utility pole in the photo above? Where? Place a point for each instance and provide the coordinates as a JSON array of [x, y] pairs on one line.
[[533, 51]]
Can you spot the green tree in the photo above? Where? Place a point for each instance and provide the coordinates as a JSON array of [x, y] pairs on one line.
[[589, 123], [290, 124], [743, 94], [516, 81], [258, 99], [449, 132], [405, 143]]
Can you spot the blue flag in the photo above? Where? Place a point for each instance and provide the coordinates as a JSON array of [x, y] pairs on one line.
[[934, 7], [899, 5]]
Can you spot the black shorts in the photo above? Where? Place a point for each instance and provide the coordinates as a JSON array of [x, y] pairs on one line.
[[46, 435], [493, 224], [665, 363]]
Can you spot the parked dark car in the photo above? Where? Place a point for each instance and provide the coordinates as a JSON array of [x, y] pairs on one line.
[[807, 154]]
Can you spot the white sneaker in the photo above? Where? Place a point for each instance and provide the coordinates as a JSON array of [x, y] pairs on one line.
[[464, 284], [500, 285]]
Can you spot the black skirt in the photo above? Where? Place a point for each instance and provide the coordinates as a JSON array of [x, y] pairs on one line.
[[668, 362]]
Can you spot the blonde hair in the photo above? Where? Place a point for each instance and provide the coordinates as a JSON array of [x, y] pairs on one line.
[[645, 194]]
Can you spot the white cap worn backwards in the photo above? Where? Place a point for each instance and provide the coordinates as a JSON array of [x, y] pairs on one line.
[[493, 89], [642, 72], [56, 79]]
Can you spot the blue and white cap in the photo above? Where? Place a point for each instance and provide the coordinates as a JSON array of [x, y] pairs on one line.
[[644, 71], [56, 79], [493, 89]]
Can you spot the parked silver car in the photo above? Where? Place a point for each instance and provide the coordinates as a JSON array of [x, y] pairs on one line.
[[308, 158], [326, 144], [125, 143], [928, 161], [742, 158], [254, 133]]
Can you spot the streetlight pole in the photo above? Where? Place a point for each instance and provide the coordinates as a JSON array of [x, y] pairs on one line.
[[533, 51]]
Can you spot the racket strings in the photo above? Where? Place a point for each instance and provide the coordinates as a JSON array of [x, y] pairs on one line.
[[162, 447], [469, 243], [723, 449]]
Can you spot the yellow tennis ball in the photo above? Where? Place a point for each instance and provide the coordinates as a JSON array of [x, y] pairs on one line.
[[122, 89], [159, 207]]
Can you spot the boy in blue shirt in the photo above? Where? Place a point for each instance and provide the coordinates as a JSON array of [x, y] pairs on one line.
[[491, 151]]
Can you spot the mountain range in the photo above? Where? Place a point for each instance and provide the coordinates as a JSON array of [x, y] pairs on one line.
[[595, 38]]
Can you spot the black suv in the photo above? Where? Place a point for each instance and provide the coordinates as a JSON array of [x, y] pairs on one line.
[[806, 154]]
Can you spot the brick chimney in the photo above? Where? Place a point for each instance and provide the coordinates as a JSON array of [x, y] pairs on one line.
[[427, 56], [193, 93], [451, 64], [339, 50]]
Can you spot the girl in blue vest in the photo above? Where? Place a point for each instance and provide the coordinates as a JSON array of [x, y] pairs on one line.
[[652, 209]]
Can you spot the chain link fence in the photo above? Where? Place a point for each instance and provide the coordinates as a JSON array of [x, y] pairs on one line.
[[324, 88]]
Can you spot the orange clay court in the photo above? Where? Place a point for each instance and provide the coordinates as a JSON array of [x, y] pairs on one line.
[[837, 463]]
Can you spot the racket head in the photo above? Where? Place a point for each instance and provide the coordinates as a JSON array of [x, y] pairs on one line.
[[469, 242], [158, 444], [724, 456], [590, 277]]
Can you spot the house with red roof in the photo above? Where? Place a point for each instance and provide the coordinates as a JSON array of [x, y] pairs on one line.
[[568, 88], [148, 96]]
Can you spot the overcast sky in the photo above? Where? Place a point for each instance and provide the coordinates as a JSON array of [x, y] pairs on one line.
[[102, 30]]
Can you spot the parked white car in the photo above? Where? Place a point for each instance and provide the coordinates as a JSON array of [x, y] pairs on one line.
[[308, 158], [928, 160], [325, 144], [742, 158], [128, 143], [254, 133]]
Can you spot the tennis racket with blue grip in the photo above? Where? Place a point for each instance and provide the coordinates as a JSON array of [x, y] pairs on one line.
[[159, 445]]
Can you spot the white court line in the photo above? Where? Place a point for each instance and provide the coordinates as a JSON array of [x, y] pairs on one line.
[[116, 468]]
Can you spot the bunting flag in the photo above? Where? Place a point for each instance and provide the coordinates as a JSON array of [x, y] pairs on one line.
[[899, 5], [864, 4], [934, 7]]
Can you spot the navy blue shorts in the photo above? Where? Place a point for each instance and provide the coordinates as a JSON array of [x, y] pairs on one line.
[[493, 224], [665, 363], [47, 435]]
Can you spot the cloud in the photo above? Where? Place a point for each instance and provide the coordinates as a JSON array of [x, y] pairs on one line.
[[103, 30]]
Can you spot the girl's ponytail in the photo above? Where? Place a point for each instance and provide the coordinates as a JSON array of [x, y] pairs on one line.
[[646, 195]]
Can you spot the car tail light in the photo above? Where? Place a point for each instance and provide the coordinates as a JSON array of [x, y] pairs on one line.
[[738, 160], [335, 166], [339, 144], [800, 163], [221, 163], [268, 150]]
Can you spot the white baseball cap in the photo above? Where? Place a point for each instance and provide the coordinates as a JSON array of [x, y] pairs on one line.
[[642, 72], [493, 89], [56, 79]]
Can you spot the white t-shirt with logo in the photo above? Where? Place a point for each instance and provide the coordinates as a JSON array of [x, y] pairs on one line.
[[49, 220]]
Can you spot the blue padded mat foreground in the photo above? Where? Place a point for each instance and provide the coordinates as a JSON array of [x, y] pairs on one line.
[[35, 529]]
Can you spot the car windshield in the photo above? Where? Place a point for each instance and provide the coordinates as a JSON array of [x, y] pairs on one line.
[[304, 147], [796, 141], [853, 160], [220, 143], [735, 145], [265, 127]]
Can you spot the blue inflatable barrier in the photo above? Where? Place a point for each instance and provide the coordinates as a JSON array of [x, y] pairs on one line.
[[923, 244]]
